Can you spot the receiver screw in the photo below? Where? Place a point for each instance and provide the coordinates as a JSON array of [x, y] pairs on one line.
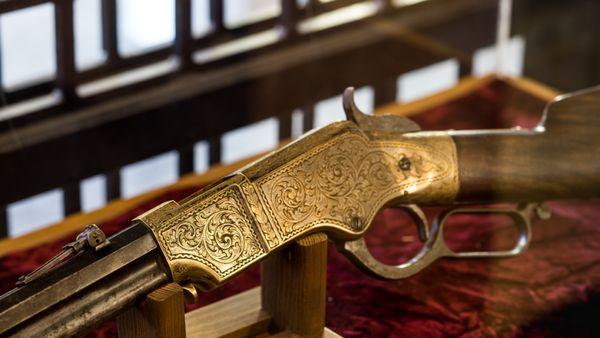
[[404, 163]]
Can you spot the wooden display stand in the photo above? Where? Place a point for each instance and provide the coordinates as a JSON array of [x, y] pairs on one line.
[[290, 302]]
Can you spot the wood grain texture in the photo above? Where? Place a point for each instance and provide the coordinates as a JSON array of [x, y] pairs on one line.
[[160, 315], [237, 316], [560, 160], [293, 286]]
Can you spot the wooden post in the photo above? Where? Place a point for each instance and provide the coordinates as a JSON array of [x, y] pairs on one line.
[[184, 43], [109, 30], [291, 304], [289, 18], [385, 92], [65, 50], [160, 314], [293, 286], [217, 16]]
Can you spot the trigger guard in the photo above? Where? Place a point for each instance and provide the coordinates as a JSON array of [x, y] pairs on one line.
[[435, 245], [358, 252]]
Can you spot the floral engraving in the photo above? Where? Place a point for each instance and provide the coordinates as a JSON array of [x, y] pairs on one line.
[[260, 215], [350, 178], [292, 200], [218, 233]]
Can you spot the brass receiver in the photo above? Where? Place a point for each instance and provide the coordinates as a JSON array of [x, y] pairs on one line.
[[333, 180]]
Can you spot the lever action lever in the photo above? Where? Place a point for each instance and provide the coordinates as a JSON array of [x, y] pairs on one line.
[[435, 246]]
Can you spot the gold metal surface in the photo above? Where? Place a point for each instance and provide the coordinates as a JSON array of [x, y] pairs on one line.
[[333, 180]]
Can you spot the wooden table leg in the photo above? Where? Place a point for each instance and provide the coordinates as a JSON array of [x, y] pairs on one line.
[[160, 314], [293, 286]]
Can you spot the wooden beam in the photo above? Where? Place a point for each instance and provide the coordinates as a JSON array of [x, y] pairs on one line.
[[14, 5], [109, 30], [71, 198], [217, 16], [3, 222], [65, 50], [385, 91], [183, 33], [289, 18], [160, 315], [285, 126], [113, 185], [186, 160], [236, 316], [293, 286]]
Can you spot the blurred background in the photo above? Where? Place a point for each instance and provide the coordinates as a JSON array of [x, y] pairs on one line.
[[108, 99]]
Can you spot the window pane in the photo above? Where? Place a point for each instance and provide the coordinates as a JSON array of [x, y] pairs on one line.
[[426, 81], [250, 140], [144, 25], [93, 192], [243, 12], [35, 212], [200, 17], [28, 45], [149, 174], [88, 33]]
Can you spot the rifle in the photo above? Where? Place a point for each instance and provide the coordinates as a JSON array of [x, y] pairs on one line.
[[333, 180]]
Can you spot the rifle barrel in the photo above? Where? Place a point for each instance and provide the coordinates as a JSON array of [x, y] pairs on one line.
[[86, 290]]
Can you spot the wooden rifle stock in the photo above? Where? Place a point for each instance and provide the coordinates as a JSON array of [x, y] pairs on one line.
[[558, 159]]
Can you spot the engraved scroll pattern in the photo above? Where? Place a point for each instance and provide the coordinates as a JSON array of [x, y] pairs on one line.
[[346, 180], [219, 233], [256, 205]]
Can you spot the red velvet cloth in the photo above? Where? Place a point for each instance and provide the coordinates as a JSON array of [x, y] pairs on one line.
[[552, 290]]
